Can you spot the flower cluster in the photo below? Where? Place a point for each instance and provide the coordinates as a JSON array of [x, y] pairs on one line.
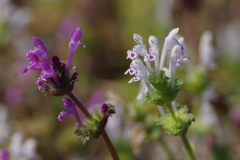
[[87, 128], [56, 78], [162, 87]]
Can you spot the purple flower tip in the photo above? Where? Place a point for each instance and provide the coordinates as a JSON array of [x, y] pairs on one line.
[[37, 41], [75, 39], [104, 108], [67, 102], [25, 70], [77, 34]]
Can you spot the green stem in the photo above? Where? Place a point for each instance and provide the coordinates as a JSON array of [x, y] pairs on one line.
[[183, 137], [104, 134], [167, 149], [188, 147], [80, 106], [172, 112]]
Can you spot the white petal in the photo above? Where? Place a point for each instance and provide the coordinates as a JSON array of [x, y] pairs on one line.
[[181, 40], [137, 38], [129, 54], [126, 71], [140, 49], [152, 41], [173, 32]]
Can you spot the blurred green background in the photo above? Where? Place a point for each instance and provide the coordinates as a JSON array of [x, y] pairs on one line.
[[108, 27]]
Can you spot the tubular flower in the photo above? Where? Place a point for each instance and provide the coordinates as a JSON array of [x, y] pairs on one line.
[[56, 78], [69, 109]]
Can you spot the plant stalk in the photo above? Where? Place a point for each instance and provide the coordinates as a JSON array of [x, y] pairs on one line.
[[187, 147], [183, 137], [167, 149], [104, 134]]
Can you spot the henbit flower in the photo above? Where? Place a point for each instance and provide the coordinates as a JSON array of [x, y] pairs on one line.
[[40, 50], [34, 62], [69, 109], [207, 52], [177, 56], [20, 149], [169, 43], [141, 50], [141, 73], [4, 154], [73, 44], [154, 53], [57, 78]]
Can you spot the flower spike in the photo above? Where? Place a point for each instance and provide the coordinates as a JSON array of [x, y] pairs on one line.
[[56, 78]]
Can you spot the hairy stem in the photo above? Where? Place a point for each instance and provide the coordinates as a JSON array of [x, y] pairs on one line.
[[104, 134], [172, 112], [183, 137]]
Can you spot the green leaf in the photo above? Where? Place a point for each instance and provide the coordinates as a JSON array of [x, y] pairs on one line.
[[179, 127], [162, 89]]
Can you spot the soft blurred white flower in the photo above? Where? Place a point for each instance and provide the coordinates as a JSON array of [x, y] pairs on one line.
[[207, 114], [228, 39], [23, 150], [207, 52], [4, 126]]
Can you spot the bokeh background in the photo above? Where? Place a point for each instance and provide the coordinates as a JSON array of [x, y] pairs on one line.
[[108, 26]]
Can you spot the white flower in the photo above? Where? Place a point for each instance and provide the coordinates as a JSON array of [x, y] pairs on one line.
[[23, 150], [4, 126], [207, 52]]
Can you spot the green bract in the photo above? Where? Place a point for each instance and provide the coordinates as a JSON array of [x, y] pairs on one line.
[[178, 127], [93, 128], [162, 89]]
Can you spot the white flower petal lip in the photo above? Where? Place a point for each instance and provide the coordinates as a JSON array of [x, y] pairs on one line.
[[132, 55], [173, 33], [129, 54]]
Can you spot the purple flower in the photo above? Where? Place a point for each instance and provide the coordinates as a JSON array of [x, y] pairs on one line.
[[34, 62], [73, 44], [40, 50], [4, 154], [69, 109], [57, 78]]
